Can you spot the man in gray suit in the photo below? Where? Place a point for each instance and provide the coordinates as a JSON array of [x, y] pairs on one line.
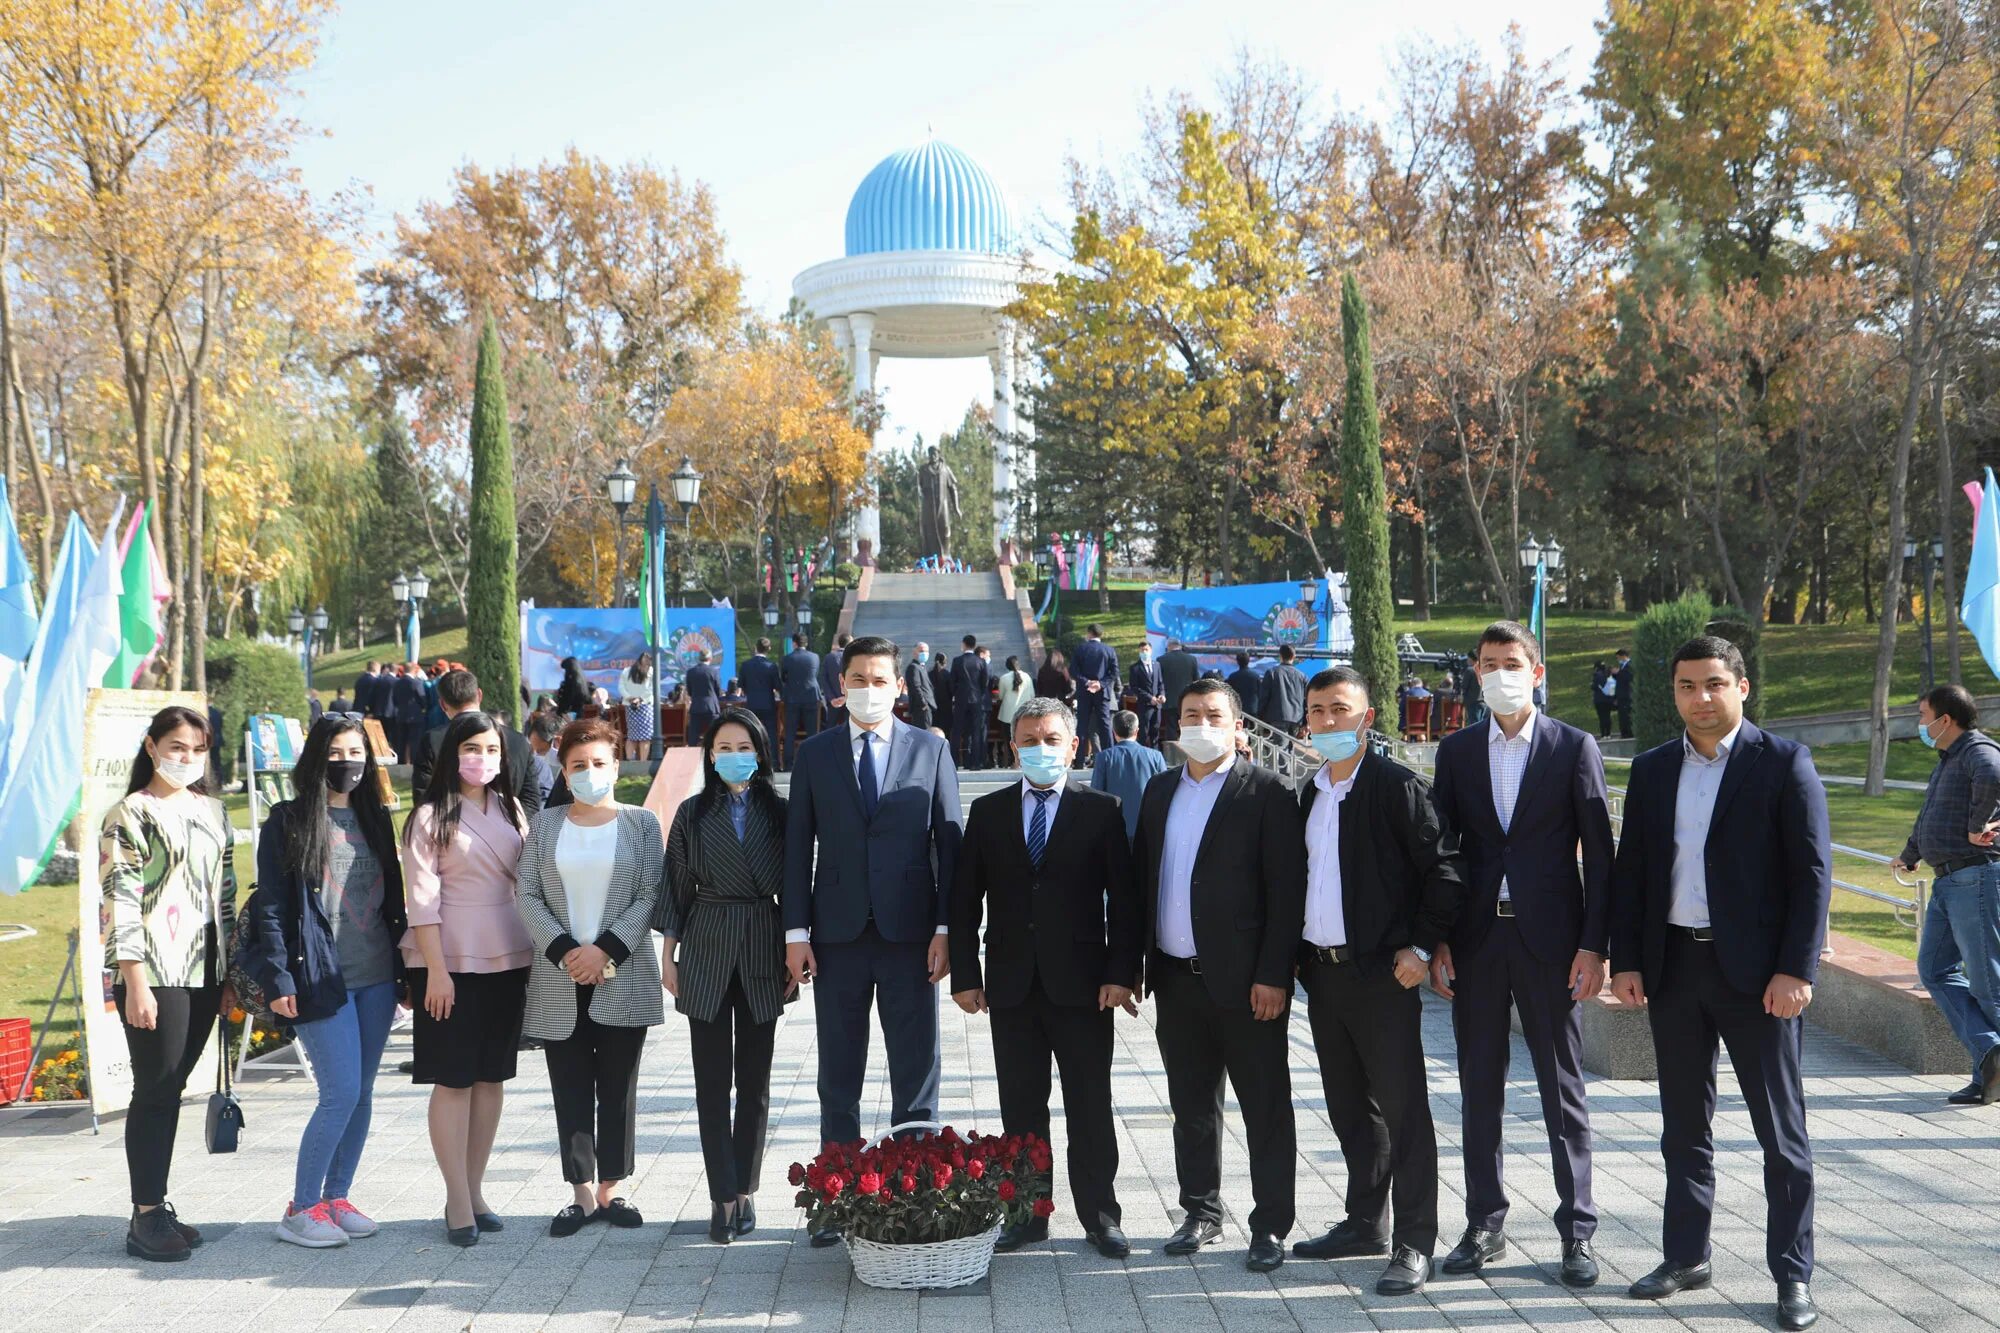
[[801, 694]]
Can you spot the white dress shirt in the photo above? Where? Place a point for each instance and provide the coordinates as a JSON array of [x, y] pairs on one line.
[[1187, 819], [585, 855], [1694, 808], [1051, 799], [1506, 761], [884, 742], [1326, 913]]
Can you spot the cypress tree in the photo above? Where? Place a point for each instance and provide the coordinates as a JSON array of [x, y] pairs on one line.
[[1364, 526], [492, 614]]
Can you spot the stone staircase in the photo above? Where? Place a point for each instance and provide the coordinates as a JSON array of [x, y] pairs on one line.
[[941, 609]]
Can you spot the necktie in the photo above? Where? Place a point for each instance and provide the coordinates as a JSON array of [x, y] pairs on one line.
[[1038, 827], [871, 791]]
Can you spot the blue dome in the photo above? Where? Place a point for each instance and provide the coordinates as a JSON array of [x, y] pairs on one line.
[[932, 197]]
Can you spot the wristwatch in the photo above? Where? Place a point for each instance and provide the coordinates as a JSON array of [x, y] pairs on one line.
[[1423, 955]]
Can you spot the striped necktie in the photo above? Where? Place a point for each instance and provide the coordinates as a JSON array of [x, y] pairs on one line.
[[1038, 827]]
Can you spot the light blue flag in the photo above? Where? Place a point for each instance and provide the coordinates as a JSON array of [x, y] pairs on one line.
[[1535, 612], [18, 699], [1980, 609], [17, 588], [47, 786]]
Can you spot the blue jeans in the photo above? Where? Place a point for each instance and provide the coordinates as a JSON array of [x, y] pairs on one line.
[[344, 1049], [1958, 956]]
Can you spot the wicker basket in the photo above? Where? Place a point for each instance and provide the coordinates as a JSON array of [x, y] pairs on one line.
[[938, 1264]]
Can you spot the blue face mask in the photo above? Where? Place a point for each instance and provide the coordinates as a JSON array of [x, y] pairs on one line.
[[592, 785], [1924, 734], [1336, 747], [1043, 763], [923, 657], [736, 769]]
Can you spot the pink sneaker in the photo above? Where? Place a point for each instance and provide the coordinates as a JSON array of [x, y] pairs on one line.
[[349, 1218]]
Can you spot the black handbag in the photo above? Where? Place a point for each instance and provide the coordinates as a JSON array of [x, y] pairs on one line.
[[225, 1114]]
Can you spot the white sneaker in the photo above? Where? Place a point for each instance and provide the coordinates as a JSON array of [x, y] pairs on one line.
[[314, 1228], [350, 1219]]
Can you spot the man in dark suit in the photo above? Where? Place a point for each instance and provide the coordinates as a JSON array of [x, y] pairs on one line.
[[871, 845], [1049, 866], [1094, 668], [1621, 673], [1382, 892], [971, 687], [1220, 859], [1284, 701], [1718, 911], [409, 699], [919, 699], [761, 680], [830, 688], [941, 691], [1126, 768], [1524, 793], [800, 672], [704, 695], [1179, 669], [364, 689], [1249, 686], [457, 691], [1149, 695]]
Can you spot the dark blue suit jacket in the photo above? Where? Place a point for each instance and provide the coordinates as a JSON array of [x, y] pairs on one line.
[[898, 865], [1123, 770], [704, 690], [801, 677], [830, 687], [1559, 905], [1095, 659], [1768, 866], [759, 677], [1147, 683]]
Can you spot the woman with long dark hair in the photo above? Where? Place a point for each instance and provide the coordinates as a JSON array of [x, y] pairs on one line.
[[635, 691], [467, 954], [324, 924], [725, 954], [1052, 680], [589, 880], [169, 903], [573, 695]]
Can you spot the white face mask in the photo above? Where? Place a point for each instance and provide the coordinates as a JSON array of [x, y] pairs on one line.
[[180, 772], [1205, 744], [1507, 692], [869, 704]]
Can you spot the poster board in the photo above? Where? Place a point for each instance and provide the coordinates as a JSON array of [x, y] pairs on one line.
[[1250, 615], [114, 724], [605, 640]]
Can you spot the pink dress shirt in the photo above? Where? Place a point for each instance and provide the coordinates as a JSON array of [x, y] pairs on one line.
[[467, 891]]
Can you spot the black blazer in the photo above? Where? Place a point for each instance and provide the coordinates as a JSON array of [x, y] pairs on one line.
[[520, 763], [1249, 687], [721, 903], [759, 676], [1249, 882], [704, 690], [1400, 881], [1559, 907], [1178, 669], [1074, 923], [1284, 702], [941, 683], [801, 676], [1768, 863], [917, 680], [830, 687], [1147, 683], [971, 683]]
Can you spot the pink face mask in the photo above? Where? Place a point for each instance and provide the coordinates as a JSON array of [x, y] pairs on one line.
[[478, 769]]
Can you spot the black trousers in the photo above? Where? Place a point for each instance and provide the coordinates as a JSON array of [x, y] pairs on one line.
[[162, 1058], [732, 1049], [968, 736], [769, 717], [595, 1070], [1500, 974], [801, 723], [1366, 1030], [1694, 1007], [1200, 1041], [1604, 710], [1625, 720], [1093, 724], [1026, 1036], [1149, 724]]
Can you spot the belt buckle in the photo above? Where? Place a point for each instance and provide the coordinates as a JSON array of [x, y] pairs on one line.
[[1194, 966], [1504, 907], [1702, 934]]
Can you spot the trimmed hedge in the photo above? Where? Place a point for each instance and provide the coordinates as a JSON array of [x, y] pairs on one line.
[[246, 678], [1664, 627]]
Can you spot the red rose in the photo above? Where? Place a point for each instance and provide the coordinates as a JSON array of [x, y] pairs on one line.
[[1043, 1207], [884, 1196], [909, 1183], [1007, 1191], [797, 1175], [870, 1183], [948, 1134], [1040, 1157], [833, 1185], [941, 1175], [976, 1168]]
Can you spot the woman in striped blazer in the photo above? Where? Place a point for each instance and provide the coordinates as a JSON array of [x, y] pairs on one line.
[[590, 880], [725, 869]]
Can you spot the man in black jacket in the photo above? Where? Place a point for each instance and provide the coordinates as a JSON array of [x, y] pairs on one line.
[[919, 699], [364, 689], [830, 688], [1249, 686], [1718, 910], [1179, 669], [1284, 693], [1382, 893], [761, 681], [1149, 695], [1220, 860], [1524, 792], [800, 670], [704, 696], [941, 690], [1049, 868], [458, 690], [1621, 673], [971, 686]]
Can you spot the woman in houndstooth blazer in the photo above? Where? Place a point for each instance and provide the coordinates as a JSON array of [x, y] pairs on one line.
[[591, 872]]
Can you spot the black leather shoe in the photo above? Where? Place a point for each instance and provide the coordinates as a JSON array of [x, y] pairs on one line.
[[186, 1232], [1795, 1306], [722, 1224], [1579, 1264], [1347, 1240], [153, 1237], [1989, 1076], [463, 1237], [1110, 1241], [822, 1239], [1671, 1277], [1972, 1094], [1031, 1232], [567, 1222], [746, 1214], [1475, 1249], [620, 1214], [1191, 1235], [1406, 1274], [1265, 1253], [488, 1222]]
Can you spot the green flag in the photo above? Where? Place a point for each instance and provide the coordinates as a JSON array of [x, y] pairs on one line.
[[138, 609]]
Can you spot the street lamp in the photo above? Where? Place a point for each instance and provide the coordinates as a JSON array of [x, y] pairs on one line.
[[1538, 560], [770, 613], [307, 625], [687, 486], [619, 488], [687, 494], [1928, 556], [804, 615], [410, 592]]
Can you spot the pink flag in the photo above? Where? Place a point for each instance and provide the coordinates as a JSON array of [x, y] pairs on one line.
[[1974, 493]]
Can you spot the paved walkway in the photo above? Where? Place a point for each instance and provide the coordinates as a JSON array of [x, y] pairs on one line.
[[1909, 1226]]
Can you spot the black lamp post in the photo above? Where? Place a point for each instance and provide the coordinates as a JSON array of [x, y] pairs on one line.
[[687, 494], [1928, 556], [619, 488], [410, 592], [307, 624], [1540, 561]]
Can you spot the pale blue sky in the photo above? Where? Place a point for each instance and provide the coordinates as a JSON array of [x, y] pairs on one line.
[[783, 108]]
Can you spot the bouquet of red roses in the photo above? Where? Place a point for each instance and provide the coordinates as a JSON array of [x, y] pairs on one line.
[[935, 1188]]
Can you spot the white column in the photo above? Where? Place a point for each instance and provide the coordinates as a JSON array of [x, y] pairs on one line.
[[1006, 476], [868, 520]]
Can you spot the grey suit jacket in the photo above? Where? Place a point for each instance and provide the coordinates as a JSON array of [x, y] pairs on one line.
[[631, 999]]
